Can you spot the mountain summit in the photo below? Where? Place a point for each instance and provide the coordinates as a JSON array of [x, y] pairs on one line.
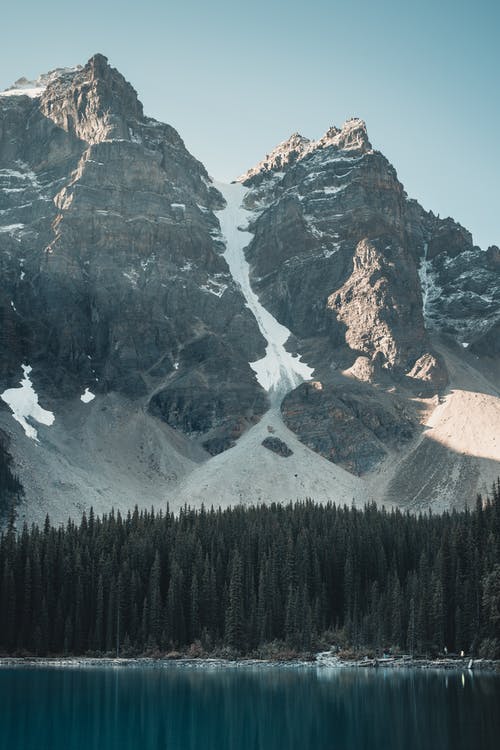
[[352, 136]]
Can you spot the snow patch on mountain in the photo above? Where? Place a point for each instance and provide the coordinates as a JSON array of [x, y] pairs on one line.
[[35, 88], [11, 228], [214, 285], [428, 285], [24, 404], [278, 371], [87, 396]]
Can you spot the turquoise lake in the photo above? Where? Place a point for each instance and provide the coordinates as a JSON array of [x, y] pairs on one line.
[[246, 707]]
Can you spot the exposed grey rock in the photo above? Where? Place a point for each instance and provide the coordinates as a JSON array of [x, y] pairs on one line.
[[111, 265], [466, 298], [382, 317], [212, 396], [331, 256], [489, 343], [348, 424]]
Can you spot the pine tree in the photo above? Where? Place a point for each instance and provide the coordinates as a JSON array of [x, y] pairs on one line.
[[155, 604], [99, 619], [235, 624], [175, 611], [194, 619]]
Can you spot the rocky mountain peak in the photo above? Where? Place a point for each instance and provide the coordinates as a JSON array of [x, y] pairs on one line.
[[95, 103], [493, 255], [352, 136], [99, 64], [287, 152], [108, 241]]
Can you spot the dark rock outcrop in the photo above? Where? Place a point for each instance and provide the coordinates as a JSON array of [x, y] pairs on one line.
[[347, 424], [211, 397], [464, 299], [276, 445]]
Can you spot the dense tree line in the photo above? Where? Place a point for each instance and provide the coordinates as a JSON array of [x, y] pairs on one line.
[[10, 486], [236, 579]]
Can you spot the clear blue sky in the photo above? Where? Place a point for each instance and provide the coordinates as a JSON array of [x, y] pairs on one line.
[[235, 78]]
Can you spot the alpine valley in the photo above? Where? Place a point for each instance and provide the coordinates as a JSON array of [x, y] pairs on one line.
[[308, 331]]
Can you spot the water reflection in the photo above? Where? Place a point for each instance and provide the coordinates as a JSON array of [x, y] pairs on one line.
[[174, 707]]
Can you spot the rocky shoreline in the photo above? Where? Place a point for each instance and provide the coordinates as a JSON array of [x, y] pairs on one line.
[[407, 662], [322, 660]]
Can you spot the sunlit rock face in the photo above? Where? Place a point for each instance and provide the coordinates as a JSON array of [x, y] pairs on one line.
[[364, 278], [340, 252]]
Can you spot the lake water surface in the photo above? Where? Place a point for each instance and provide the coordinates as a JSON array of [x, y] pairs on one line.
[[256, 708]]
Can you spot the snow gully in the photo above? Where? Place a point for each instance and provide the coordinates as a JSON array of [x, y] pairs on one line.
[[278, 371]]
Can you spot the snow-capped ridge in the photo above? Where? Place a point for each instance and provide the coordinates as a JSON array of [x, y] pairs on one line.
[[353, 136], [286, 152], [35, 88]]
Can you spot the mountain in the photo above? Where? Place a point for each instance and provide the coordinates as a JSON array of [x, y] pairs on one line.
[[383, 299], [306, 331]]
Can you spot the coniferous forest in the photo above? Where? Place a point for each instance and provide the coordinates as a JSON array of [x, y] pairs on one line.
[[10, 486], [235, 581]]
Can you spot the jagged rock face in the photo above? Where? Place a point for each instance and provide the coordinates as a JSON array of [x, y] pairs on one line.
[[110, 259], [352, 136], [339, 248], [361, 275], [213, 397], [429, 374], [382, 317], [330, 254], [96, 105], [489, 343], [347, 424], [464, 293]]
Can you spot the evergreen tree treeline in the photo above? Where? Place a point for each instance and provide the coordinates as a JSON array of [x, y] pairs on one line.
[[244, 577], [10, 486]]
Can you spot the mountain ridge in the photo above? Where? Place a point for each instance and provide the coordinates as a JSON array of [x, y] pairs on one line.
[[115, 282], [352, 136]]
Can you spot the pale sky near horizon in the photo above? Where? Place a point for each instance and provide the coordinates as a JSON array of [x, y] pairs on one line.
[[237, 78]]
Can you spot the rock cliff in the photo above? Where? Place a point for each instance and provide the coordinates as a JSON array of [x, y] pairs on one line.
[[112, 272], [365, 279]]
